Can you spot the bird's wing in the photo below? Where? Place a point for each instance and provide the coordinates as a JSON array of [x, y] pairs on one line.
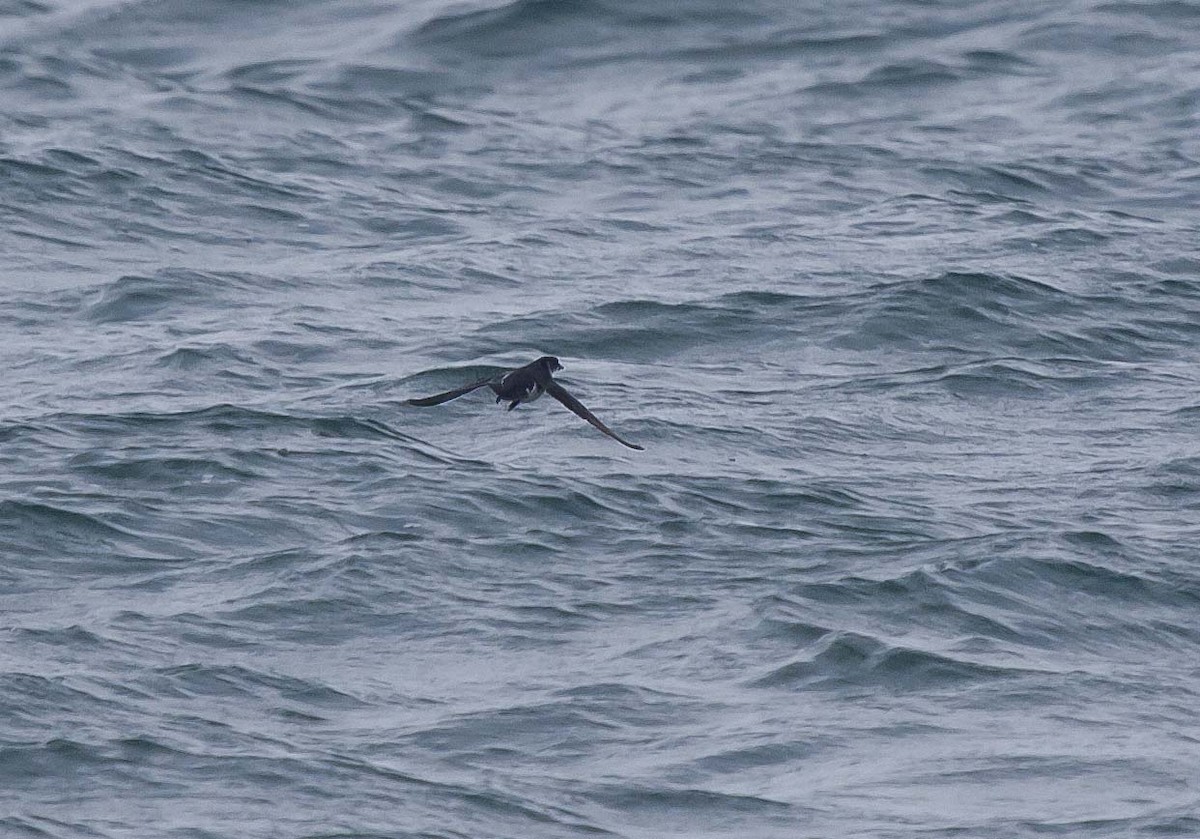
[[448, 395], [559, 392]]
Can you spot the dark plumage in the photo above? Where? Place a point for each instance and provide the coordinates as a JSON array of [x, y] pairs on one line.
[[526, 384]]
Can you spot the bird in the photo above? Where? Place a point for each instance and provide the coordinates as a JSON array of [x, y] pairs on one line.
[[525, 384]]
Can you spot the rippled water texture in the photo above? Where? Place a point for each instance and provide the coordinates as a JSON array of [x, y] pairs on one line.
[[902, 299]]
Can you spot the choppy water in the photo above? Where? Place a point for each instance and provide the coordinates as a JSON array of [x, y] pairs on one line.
[[902, 298]]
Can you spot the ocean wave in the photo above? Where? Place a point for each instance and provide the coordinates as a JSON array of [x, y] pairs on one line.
[[846, 660], [906, 321]]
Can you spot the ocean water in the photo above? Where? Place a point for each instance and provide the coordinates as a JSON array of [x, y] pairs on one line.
[[901, 298]]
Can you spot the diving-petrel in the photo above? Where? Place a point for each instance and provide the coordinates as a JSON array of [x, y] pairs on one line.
[[526, 384]]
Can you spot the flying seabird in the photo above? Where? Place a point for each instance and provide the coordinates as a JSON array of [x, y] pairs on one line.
[[526, 384]]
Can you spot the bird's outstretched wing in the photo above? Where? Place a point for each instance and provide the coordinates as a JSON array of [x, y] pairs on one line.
[[559, 392], [448, 395]]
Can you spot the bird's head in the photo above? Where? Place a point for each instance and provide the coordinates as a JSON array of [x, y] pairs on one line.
[[550, 363]]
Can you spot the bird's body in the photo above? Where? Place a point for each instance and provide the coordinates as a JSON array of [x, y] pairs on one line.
[[526, 384]]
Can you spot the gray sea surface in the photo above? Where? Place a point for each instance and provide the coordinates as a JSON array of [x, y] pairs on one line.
[[901, 298]]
